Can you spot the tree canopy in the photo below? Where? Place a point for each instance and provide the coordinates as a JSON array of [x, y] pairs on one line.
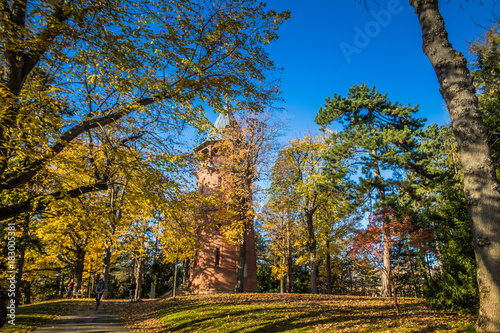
[[143, 67]]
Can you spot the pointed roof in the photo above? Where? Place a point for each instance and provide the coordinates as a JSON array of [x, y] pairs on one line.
[[224, 120]]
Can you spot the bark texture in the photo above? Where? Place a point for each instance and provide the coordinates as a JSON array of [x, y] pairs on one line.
[[241, 264], [79, 266], [106, 262], [481, 187]]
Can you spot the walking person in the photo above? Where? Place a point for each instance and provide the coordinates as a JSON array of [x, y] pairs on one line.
[[99, 290], [132, 289], [71, 285]]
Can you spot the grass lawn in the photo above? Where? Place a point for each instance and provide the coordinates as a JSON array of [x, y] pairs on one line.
[[267, 313], [259, 313], [29, 317]]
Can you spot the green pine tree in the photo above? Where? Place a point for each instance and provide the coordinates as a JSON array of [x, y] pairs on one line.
[[379, 138]]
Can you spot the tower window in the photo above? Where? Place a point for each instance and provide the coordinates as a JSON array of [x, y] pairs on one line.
[[217, 257]]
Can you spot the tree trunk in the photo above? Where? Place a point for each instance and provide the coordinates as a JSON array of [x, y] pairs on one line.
[[481, 187], [138, 278], [152, 291], [438, 252], [27, 292], [241, 263], [395, 297], [386, 269], [60, 293], [79, 266], [386, 256], [106, 262], [22, 251], [174, 286], [328, 269], [114, 216], [289, 259], [282, 278], [312, 252]]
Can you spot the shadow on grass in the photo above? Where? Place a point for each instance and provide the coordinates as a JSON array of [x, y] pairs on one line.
[[259, 313], [228, 318], [276, 319]]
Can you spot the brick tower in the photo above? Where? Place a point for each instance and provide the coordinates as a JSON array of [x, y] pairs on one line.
[[215, 266]]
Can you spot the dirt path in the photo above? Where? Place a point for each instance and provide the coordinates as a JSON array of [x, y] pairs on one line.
[[85, 321]]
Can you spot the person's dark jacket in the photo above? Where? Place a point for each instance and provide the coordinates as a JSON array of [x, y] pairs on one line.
[[100, 287]]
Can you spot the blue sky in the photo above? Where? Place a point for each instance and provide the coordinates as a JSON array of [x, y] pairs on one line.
[[315, 67]]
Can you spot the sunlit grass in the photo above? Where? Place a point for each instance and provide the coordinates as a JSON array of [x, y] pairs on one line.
[[260, 313], [305, 313]]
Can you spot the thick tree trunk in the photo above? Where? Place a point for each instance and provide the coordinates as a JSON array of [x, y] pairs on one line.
[[480, 184], [241, 263], [79, 266], [22, 251], [328, 269], [313, 265], [106, 262]]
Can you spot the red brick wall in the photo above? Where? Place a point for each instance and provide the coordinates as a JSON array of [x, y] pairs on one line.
[[205, 275]]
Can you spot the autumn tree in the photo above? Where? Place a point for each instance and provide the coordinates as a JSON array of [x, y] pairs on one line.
[[281, 218], [280, 221], [386, 228], [69, 67], [177, 231], [246, 148], [138, 176], [69, 233], [336, 227], [299, 181], [142, 62]]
